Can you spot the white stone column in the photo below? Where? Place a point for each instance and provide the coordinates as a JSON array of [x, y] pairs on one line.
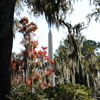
[[50, 53], [50, 47]]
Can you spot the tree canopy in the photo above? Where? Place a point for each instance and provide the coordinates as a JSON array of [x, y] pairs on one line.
[[52, 9]]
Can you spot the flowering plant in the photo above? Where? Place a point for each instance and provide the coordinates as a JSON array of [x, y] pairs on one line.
[[32, 66]]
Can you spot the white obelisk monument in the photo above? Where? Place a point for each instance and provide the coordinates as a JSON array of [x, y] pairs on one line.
[[50, 47], [50, 53]]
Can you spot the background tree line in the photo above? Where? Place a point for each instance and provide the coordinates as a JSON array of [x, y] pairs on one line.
[[77, 60]]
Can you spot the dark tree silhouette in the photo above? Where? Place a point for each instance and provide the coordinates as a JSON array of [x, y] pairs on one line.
[[6, 40]]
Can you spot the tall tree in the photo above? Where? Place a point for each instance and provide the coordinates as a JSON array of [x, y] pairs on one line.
[[6, 39], [76, 58]]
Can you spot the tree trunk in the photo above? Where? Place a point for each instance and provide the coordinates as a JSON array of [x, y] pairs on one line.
[[88, 82], [6, 40]]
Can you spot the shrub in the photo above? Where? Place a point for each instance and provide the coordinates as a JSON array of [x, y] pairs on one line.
[[68, 92], [59, 92], [23, 93]]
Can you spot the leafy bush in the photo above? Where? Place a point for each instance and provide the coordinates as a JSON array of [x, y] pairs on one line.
[[59, 92], [23, 93], [68, 92], [82, 93]]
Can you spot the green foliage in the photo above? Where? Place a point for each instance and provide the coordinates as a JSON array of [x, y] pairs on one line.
[[68, 92], [22, 93], [82, 93], [89, 46], [60, 52], [59, 92]]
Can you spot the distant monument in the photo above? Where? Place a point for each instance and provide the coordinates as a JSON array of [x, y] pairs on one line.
[[50, 47], [50, 53]]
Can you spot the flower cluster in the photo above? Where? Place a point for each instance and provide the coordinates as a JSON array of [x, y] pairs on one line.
[[32, 66], [27, 27], [24, 20]]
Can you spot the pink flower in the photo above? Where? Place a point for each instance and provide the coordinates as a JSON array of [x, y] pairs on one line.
[[24, 20], [21, 29], [20, 70], [13, 66], [28, 81], [45, 83], [49, 84], [34, 51], [44, 48], [50, 71], [44, 53], [40, 52], [35, 76], [49, 60], [52, 61]]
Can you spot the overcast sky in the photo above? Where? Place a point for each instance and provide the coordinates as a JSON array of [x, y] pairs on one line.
[[82, 8]]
